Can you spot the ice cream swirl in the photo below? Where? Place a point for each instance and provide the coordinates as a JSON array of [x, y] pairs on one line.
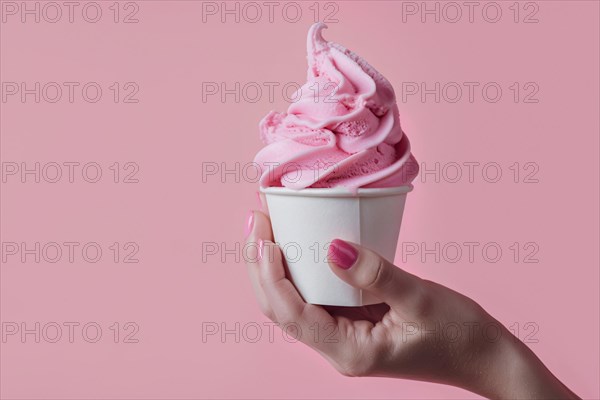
[[343, 130]]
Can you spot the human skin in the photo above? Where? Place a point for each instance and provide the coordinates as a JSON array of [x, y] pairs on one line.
[[391, 339]]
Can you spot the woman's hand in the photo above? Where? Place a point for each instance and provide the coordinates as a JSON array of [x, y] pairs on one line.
[[422, 331]]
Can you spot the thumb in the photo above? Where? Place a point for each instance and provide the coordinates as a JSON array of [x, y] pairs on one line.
[[364, 269]]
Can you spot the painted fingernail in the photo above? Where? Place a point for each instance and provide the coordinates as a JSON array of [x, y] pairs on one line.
[[342, 253], [249, 224], [261, 246]]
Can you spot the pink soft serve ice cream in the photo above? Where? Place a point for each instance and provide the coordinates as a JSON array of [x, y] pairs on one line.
[[343, 131]]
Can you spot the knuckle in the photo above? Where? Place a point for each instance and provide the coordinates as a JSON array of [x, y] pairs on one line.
[[381, 276], [354, 370], [267, 312], [356, 366], [346, 372], [349, 371]]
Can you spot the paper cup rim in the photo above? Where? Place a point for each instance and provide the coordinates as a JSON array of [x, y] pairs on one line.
[[337, 192]]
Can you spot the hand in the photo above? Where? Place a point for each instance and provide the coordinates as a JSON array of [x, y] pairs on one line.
[[421, 331]]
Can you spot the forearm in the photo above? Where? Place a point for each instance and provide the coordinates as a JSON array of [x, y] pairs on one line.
[[515, 372]]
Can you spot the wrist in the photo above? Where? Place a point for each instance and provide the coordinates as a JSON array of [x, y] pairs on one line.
[[510, 370], [490, 367]]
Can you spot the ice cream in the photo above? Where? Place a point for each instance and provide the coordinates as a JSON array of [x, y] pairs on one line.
[[343, 130]]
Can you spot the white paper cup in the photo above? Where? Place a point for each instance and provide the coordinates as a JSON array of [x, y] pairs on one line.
[[306, 221]]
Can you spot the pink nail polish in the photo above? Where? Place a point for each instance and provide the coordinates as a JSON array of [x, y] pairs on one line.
[[342, 253], [261, 246], [249, 224]]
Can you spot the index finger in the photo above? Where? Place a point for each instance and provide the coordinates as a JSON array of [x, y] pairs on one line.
[[312, 322]]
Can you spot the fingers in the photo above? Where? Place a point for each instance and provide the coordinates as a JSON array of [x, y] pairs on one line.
[[277, 297], [312, 322], [258, 227], [262, 202], [367, 270]]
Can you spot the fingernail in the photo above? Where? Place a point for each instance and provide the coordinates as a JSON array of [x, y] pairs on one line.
[[249, 223], [261, 246], [342, 253]]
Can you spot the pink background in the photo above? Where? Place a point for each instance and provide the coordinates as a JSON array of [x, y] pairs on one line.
[[171, 212]]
